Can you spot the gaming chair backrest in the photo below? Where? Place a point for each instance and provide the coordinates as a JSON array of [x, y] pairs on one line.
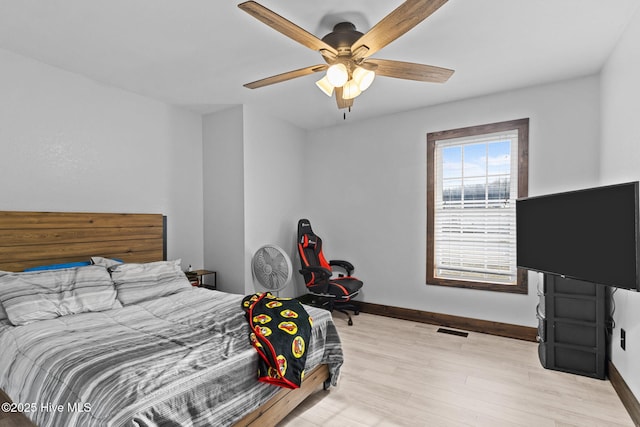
[[310, 251]]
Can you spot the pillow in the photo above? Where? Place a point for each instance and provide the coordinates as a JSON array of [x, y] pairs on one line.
[[3, 314], [141, 282], [105, 262], [47, 294], [59, 266]]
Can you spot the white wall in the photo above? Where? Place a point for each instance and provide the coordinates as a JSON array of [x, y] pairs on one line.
[[70, 144], [367, 199], [620, 162], [275, 178], [223, 142], [253, 193]]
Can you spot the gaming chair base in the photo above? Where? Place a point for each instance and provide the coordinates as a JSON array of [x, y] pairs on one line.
[[329, 303]]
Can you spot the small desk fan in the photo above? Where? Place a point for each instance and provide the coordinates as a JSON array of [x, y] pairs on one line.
[[271, 268]]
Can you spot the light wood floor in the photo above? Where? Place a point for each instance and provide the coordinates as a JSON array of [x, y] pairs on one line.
[[401, 373]]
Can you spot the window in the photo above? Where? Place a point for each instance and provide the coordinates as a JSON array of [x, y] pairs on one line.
[[474, 176]]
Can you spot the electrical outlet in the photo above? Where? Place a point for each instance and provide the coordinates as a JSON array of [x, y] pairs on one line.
[[623, 339]]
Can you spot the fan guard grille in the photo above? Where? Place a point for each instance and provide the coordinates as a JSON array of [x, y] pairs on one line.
[[271, 267]]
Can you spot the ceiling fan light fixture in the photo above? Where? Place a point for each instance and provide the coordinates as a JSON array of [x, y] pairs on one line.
[[350, 90], [363, 77], [337, 75], [325, 86], [347, 51]]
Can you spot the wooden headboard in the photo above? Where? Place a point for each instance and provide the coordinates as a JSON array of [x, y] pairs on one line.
[[29, 239]]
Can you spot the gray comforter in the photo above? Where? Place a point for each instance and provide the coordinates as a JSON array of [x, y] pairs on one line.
[[182, 360]]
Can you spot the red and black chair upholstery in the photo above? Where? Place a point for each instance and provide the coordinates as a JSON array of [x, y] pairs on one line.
[[327, 291]]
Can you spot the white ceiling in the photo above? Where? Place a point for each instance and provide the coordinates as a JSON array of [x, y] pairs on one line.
[[198, 53]]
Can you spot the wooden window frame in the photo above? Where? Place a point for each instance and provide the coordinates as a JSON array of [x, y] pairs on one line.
[[522, 126]]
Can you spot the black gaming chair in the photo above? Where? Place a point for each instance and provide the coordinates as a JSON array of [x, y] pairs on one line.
[[328, 292]]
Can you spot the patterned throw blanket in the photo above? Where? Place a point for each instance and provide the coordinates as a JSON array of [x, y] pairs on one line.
[[280, 332]]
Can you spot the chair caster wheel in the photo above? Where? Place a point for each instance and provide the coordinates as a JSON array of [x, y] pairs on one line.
[[350, 322], [356, 312]]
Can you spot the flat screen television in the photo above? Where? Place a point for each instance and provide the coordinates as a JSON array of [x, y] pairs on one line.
[[590, 235]]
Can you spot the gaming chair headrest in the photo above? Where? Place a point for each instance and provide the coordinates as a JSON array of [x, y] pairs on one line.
[[305, 234]]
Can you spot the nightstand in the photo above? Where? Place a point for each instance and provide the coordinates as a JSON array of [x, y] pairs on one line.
[[197, 276]]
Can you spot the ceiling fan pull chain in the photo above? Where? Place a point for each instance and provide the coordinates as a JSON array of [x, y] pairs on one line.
[[344, 114]]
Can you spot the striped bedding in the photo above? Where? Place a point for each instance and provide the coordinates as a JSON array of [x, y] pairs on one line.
[[183, 359]]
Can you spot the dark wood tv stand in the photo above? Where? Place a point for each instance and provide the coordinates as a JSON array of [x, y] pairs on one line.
[[572, 322]]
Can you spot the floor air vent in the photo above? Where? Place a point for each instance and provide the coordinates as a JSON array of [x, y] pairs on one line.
[[452, 332]]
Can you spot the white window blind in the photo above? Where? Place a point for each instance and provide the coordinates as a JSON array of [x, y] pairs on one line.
[[476, 187]]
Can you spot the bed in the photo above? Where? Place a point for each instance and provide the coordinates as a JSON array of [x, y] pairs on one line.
[[177, 358]]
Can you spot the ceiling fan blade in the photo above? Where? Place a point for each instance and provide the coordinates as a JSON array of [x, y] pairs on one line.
[[405, 17], [286, 27], [410, 71], [286, 76], [342, 103]]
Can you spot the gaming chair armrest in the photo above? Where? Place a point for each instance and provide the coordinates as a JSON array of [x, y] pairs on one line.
[[346, 265], [323, 272]]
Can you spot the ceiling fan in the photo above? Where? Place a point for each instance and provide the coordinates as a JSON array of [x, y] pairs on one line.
[[346, 51]]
